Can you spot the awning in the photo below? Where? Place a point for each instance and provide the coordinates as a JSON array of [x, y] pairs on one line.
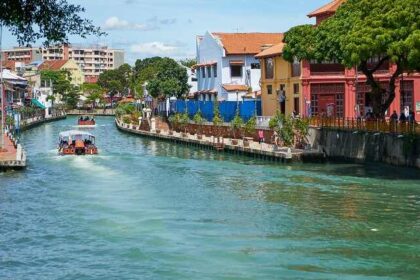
[[236, 87], [236, 62], [37, 103]]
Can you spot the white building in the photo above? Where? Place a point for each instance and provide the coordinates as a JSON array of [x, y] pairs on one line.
[[227, 67]]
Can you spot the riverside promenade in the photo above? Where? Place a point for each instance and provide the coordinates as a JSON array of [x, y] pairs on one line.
[[253, 149], [13, 156]]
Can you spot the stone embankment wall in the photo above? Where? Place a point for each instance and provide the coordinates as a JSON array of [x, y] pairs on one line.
[[400, 150]]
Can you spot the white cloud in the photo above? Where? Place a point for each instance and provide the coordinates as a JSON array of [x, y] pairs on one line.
[[114, 23], [156, 48]]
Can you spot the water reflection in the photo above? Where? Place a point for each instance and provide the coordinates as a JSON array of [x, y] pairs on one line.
[[164, 211]]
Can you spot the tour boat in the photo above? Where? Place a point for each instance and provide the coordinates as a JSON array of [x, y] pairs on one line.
[[74, 142], [86, 121]]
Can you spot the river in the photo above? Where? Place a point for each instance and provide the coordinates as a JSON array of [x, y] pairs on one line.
[[146, 209]]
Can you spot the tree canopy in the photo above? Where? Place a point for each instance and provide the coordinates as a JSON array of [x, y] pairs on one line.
[[170, 79], [365, 34], [61, 82], [116, 80], [188, 62], [54, 20]]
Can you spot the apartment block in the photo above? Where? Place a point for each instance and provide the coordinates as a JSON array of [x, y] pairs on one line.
[[93, 60], [24, 55]]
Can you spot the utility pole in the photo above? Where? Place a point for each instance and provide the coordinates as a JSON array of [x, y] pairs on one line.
[[1, 90]]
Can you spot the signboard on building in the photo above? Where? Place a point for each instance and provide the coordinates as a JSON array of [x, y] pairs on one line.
[[418, 106]]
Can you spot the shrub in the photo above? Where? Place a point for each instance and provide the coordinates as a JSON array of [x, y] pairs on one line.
[[250, 125], [289, 129], [198, 118], [237, 124], [126, 119]]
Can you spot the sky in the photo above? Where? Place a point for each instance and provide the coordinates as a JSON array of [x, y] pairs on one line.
[[145, 28]]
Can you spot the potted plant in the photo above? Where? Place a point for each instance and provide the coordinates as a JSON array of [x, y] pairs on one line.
[[198, 120], [183, 122], [250, 126], [217, 123], [174, 123], [284, 127], [236, 126]]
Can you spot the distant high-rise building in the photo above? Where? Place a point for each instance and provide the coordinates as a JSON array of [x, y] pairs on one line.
[[22, 54], [93, 60]]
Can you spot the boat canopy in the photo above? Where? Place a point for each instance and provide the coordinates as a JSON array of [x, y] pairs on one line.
[[76, 134]]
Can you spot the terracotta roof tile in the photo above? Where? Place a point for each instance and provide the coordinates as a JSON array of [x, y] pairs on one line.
[[235, 87], [328, 8], [270, 52], [247, 43], [53, 64], [9, 64]]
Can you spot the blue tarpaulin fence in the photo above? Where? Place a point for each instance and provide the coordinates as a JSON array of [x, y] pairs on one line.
[[227, 109]]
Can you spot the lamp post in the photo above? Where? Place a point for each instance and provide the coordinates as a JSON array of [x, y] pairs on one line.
[[1, 90], [237, 102]]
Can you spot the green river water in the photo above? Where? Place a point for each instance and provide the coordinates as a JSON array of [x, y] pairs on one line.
[[146, 209]]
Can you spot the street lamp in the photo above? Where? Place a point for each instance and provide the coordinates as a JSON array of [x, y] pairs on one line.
[[237, 102], [1, 91]]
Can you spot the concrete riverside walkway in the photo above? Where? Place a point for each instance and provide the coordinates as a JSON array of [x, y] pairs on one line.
[[12, 156], [255, 149]]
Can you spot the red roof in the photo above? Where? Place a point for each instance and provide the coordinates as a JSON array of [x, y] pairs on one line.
[[273, 51], [328, 8], [247, 43], [9, 64], [53, 64]]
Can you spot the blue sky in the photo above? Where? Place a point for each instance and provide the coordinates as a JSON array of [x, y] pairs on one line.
[[146, 28]]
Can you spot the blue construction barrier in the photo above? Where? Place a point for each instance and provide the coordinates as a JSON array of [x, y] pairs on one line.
[[227, 109]]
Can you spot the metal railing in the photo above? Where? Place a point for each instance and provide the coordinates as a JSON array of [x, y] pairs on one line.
[[263, 121], [375, 125]]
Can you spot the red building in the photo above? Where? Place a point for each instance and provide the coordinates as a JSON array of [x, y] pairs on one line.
[[331, 88]]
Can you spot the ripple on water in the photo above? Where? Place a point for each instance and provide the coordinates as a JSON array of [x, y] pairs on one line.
[[155, 210]]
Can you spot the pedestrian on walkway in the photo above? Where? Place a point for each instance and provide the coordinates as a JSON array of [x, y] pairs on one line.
[[261, 136]]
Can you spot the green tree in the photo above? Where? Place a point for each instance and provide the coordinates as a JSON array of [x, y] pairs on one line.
[[61, 83], [31, 20], [188, 62], [170, 79], [365, 34], [93, 92], [117, 80]]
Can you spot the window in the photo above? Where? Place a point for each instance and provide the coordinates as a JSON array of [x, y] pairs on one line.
[[296, 88], [296, 105], [255, 66], [236, 70], [296, 68], [209, 71], [269, 89], [269, 68], [203, 72], [406, 95], [215, 70]]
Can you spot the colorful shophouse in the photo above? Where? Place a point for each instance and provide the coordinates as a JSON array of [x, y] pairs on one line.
[[331, 88]]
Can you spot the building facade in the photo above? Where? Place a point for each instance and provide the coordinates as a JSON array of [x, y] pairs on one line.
[[330, 89], [23, 55], [76, 74], [280, 82], [227, 68], [93, 60]]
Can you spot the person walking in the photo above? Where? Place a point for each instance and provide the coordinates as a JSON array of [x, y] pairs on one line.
[[393, 121]]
